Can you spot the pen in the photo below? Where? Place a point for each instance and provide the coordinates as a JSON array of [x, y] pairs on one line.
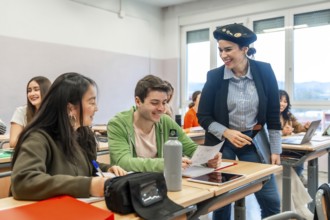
[[96, 165]]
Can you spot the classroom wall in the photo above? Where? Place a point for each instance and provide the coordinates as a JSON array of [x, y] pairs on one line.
[[50, 37]]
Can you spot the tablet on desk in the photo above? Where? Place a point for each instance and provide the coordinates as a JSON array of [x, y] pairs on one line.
[[216, 178]]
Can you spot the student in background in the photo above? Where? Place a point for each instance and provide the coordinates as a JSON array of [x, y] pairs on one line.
[[168, 107], [237, 101], [36, 89], [2, 127], [54, 153], [289, 122], [190, 118], [291, 125], [136, 137]]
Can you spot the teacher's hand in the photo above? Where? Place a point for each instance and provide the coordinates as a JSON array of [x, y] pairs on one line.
[[237, 138], [276, 159]]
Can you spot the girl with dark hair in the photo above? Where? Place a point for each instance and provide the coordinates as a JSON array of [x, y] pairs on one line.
[[190, 118], [55, 151], [289, 123], [36, 89]]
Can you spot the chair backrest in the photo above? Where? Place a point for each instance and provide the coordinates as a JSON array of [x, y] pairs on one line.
[[322, 202]]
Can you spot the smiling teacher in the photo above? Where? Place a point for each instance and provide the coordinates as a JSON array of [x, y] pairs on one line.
[[239, 99]]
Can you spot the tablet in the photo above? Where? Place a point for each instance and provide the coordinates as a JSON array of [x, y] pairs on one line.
[[216, 178]]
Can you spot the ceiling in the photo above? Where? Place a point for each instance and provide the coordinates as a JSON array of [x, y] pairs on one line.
[[166, 3]]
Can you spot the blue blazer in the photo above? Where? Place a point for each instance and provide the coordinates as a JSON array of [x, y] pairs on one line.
[[213, 103]]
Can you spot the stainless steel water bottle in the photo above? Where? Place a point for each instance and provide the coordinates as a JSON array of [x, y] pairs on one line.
[[172, 162]]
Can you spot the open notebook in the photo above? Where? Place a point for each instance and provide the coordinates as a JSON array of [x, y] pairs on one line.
[[199, 170]]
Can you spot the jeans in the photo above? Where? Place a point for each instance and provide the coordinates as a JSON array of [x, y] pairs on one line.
[[268, 197]]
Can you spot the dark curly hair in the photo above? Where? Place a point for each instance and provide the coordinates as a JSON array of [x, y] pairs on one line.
[[286, 112]]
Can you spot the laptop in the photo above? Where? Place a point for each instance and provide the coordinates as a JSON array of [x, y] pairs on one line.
[[297, 140]]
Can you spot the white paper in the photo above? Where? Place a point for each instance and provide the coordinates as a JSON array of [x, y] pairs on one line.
[[199, 170], [205, 153], [91, 199]]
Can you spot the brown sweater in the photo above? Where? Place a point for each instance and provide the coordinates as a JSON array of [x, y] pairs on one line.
[[293, 122], [42, 171]]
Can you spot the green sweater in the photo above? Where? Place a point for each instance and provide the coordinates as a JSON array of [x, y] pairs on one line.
[[42, 171], [121, 140]]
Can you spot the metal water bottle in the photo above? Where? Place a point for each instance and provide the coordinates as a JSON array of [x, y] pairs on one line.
[[172, 162]]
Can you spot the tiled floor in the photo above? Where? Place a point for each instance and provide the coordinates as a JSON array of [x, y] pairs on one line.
[[252, 207]]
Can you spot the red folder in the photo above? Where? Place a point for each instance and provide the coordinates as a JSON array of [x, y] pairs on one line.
[[57, 208]]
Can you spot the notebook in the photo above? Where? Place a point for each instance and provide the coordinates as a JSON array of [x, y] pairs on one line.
[[297, 140], [194, 171], [59, 208]]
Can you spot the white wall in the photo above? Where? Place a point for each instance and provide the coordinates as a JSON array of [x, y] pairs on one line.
[[50, 37]]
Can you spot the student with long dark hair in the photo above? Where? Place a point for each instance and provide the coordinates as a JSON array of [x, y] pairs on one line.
[[55, 151], [36, 89]]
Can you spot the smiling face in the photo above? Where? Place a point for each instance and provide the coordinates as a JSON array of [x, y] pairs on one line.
[[233, 57], [153, 106], [33, 94], [283, 103], [89, 106]]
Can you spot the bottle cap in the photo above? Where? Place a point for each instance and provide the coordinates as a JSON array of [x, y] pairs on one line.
[[173, 133]]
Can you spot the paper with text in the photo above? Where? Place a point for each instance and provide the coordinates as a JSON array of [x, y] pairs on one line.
[[205, 153]]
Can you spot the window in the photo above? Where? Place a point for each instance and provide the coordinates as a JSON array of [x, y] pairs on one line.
[[270, 45], [311, 52], [198, 60]]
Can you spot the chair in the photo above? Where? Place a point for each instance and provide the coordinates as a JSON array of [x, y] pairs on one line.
[[322, 204]]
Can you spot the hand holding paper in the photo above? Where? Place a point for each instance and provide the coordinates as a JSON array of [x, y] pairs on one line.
[[205, 153]]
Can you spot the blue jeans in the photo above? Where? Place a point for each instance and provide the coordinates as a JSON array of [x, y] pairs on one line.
[[268, 197]]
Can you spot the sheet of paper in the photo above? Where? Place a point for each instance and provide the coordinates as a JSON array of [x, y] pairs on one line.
[[205, 153]]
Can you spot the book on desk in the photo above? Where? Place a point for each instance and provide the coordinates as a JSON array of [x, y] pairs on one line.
[[61, 207]]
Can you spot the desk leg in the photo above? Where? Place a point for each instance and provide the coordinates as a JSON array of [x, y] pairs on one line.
[[286, 188], [313, 180], [240, 209]]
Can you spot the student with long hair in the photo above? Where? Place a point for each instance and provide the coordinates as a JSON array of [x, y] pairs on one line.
[[55, 151], [36, 89]]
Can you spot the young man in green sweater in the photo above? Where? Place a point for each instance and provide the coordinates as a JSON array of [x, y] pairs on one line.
[[136, 137]]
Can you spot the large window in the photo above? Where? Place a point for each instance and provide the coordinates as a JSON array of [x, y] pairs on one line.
[[198, 60], [270, 45], [311, 55]]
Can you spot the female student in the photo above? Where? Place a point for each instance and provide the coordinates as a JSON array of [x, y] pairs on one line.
[[55, 151], [36, 89], [190, 118], [291, 125], [168, 107], [238, 99]]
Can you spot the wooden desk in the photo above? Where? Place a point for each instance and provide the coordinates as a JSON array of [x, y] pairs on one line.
[[197, 137], [307, 152], [255, 175], [206, 197]]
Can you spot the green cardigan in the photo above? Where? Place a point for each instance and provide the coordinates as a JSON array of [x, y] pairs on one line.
[[121, 140], [42, 171]]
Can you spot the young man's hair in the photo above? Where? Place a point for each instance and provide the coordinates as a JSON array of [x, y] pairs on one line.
[[150, 83]]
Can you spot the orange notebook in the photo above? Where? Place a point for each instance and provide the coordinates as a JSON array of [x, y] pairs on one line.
[[59, 208]]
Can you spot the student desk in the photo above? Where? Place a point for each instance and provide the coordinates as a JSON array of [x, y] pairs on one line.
[[307, 152], [206, 197]]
